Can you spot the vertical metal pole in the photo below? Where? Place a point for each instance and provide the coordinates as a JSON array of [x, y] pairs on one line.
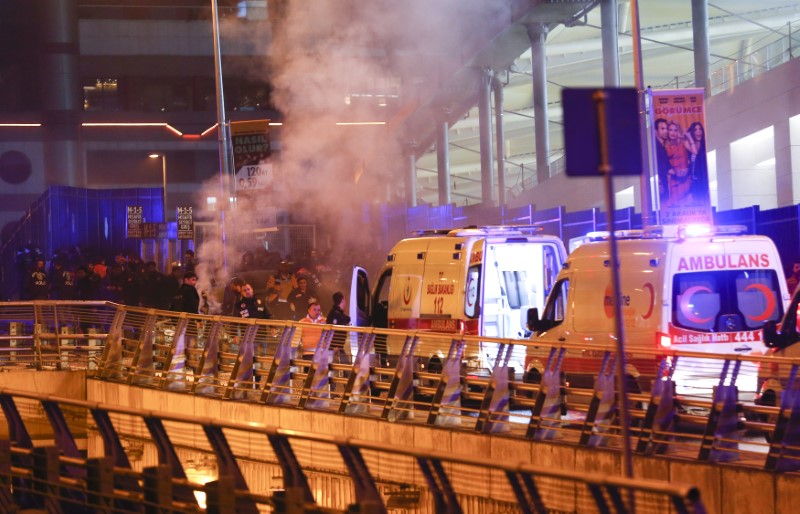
[[608, 32], [500, 139], [411, 176], [537, 32], [702, 53], [644, 181], [164, 184], [443, 160], [485, 127], [605, 168], [222, 131]]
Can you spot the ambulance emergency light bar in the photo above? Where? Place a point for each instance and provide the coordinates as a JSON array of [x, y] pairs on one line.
[[472, 230], [603, 235], [683, 232]]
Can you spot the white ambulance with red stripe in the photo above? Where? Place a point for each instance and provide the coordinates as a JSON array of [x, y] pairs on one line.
[[471, 281], [697, 289]]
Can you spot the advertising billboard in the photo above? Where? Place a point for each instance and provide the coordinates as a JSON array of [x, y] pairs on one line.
[[678, 139], [251, 151]]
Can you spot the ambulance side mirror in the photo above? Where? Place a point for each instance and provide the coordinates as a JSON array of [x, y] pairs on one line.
[[770, 334], [533, 322]]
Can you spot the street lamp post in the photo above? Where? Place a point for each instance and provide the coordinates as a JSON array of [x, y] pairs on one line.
[[163, 180]]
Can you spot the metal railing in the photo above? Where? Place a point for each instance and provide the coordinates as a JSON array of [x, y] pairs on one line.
[[692, 405], [218, 473]]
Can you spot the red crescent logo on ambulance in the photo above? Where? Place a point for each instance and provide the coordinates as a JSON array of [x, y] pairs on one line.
[[686, 307], [770, 308], [649, 287], [407, 292]]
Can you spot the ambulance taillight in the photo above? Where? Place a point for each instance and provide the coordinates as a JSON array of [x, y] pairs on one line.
[[663, 340]]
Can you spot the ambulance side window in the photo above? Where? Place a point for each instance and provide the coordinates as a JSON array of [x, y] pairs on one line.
[[551, 267], [697, 301], [380, 307], [471, 303], [556, 307], [758, 297], [362, 293]]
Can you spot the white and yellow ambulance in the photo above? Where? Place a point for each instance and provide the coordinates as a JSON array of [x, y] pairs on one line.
[[688, 288], [471, 281]]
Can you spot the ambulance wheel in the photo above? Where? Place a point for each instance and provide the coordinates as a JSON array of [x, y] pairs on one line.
[[435, 364], [532, 376], [768, 399]]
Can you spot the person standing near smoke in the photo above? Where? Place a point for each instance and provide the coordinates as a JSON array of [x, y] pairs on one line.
[[302, 296], [251, 307], [309, 337], [189, 263], [231, 297], [279, 289], [337, 316], [187, 299]]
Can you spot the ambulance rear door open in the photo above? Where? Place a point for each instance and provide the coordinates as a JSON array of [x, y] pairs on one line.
[[360, 300], [516, 274]]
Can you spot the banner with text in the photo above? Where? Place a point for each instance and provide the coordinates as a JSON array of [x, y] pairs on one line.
[[134, 221], [678, 139], [251, 151], [185, 219]]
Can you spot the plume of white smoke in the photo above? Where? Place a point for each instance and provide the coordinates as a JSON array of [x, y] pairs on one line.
[[335, 61]]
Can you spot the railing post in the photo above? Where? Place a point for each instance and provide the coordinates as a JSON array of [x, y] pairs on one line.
[[660, 414], [316, 390], [278, 388], [400, 398], [6, 494], [547, 409], [446, 404], [221, 495], [175, 379], [100, 484], [46, 478], [240, 385], [208, 381], [602, 405], [157, 489], [143, 372], [784, 444], [493, 416], [356, 392]]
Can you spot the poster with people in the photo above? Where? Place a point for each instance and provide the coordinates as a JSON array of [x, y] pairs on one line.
[[677, 122], [251, 151]]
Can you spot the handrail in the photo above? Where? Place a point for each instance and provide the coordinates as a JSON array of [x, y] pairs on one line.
[[257, 361], [70, 480]]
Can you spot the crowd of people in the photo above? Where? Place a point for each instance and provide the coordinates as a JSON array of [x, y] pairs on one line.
[[75, 275], [289, 293]]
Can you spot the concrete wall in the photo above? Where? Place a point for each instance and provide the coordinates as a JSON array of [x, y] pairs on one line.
[[64, 384], [724, 488]]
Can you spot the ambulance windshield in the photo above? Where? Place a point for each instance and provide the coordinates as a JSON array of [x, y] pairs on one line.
[[726, 300]]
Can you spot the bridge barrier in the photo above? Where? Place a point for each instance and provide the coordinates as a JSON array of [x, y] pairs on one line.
[[186, 463], [256, 361]]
